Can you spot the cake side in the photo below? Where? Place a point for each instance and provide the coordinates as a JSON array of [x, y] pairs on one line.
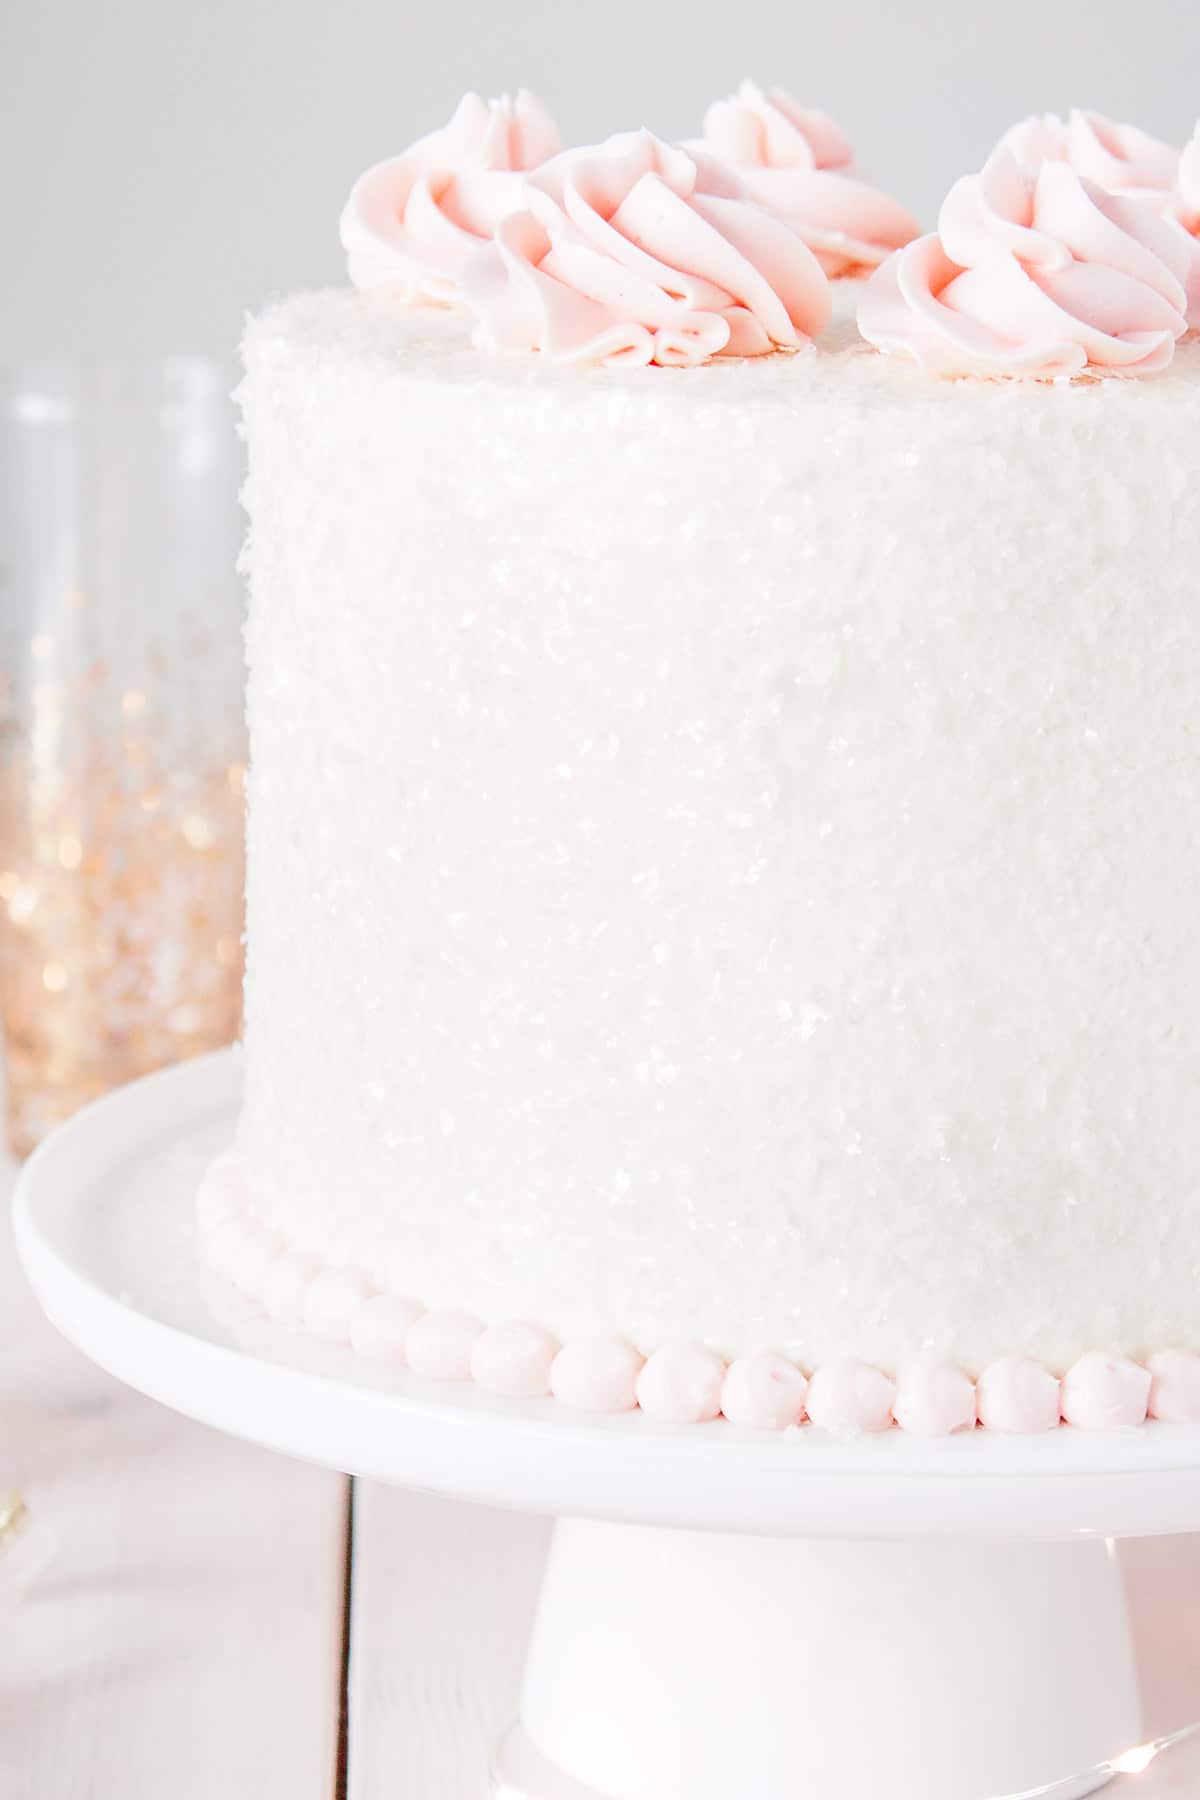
[[718, 849]]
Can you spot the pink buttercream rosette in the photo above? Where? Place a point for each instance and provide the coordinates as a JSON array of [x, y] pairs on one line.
[[412, 223], [640, 252], [1123, 160], [799, 165], [1036, 273], [1188, 185]]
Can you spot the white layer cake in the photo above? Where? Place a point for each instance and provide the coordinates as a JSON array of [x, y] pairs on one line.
[[723, 852]]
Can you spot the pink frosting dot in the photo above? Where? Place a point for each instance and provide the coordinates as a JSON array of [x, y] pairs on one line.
[[440, 1344], [1105, 1393], [248, 1270], [1175, 1387], [220, 1195], [514, 1358], [285, 1288], [223, 1246], [849, 1398], [379, 1328], [766, 1392], [333, 1298], [596, 1374], [1016, 1395], [934, 1400], [681, 1383]]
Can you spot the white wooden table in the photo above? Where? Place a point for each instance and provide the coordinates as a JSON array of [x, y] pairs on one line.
[[221, 1624]]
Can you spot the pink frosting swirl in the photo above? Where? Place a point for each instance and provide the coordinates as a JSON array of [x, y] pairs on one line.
[[1120, 158], [798, 164], [1188, 190], [412, 223], [639, 252], [1039, 275]]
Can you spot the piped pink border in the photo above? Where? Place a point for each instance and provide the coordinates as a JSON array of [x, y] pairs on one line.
[[680, 1383]]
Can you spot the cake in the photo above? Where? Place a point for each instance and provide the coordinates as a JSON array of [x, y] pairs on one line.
[[722, 851]]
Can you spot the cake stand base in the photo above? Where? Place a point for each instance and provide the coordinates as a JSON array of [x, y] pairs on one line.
[[675, 1665], [727, 1615], [522, 1773]]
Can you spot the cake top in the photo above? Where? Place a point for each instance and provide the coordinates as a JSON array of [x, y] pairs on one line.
[[642, 252], [412, 223], [1036, 270], [433, 348], [1074, 252], [800, 164]]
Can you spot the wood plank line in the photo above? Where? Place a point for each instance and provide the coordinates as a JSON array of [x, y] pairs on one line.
[[186, 1642], [343, 1743]]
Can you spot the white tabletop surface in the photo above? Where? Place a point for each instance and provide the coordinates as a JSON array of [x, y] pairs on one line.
[[189, 1639], [204, 1634]]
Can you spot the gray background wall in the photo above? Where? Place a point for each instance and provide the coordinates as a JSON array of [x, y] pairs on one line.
[[164, 167]]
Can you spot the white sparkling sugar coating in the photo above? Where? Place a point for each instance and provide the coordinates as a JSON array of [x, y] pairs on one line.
[[722, 860]]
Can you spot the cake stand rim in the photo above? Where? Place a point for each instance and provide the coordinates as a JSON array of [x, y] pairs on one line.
[[320, 1405]]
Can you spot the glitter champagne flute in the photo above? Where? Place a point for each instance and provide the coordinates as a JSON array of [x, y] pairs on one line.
[[121, 729]]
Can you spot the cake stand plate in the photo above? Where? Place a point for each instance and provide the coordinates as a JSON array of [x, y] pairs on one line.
[[727, 1615]]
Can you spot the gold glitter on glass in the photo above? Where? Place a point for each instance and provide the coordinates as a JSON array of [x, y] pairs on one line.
[[121, 738]]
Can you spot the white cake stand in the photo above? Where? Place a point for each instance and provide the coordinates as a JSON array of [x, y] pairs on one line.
[[726, 1615]]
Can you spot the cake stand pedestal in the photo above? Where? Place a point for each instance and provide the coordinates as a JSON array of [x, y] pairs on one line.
[[681, 1663], [726, 1615]]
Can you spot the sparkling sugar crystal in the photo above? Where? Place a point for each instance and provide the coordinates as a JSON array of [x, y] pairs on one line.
[[723, 850]]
